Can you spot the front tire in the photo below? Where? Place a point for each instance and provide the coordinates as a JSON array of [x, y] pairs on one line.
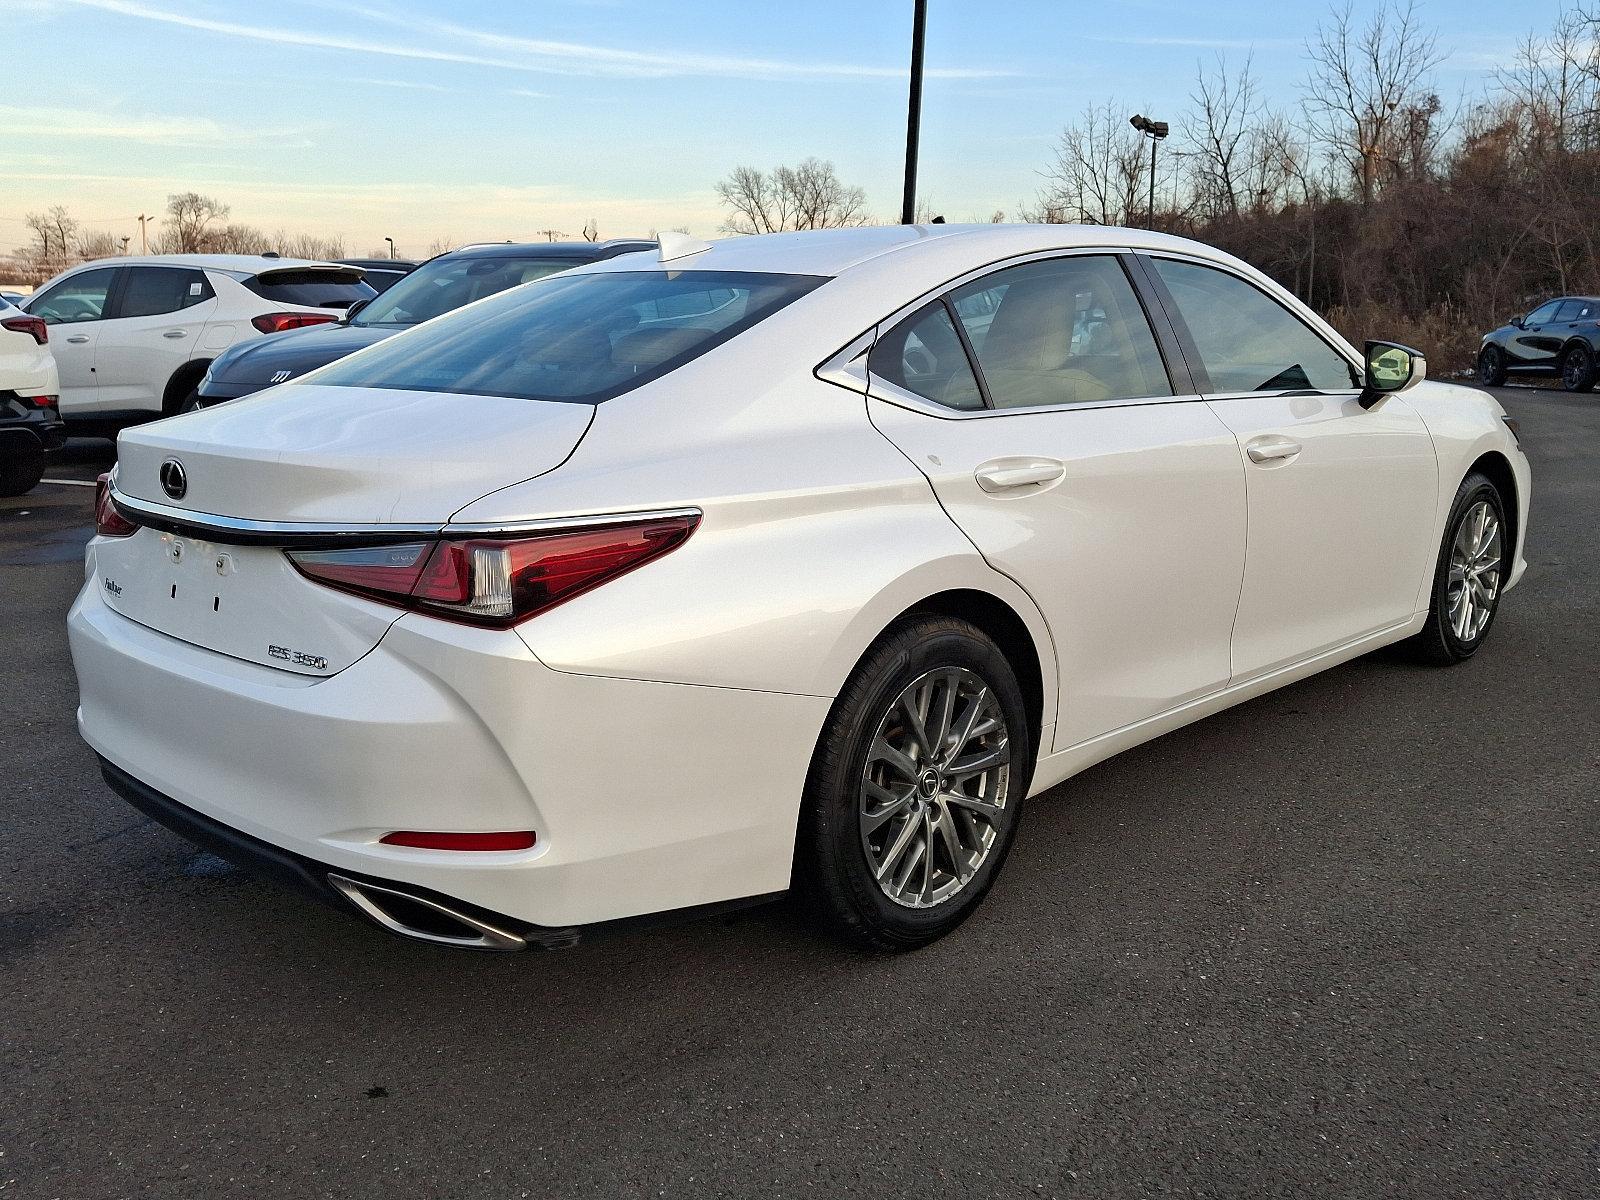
[[21, 468], [1474, 563], [1491, 366], [1578, 369], [916, 787]]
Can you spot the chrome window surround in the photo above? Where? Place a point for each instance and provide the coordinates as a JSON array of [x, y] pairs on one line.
[[239, 531], [847, 368]]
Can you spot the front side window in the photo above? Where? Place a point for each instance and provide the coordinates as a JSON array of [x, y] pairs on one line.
[[1061, 331], [445, 284], [582, 338], [151, 291], [82, 297], [923, 354], [1543, 314], [1248, 342]]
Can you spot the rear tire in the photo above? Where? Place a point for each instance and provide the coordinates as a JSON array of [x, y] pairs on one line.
[[21, 468], [1474, 561], [1578, 369], [901, 835], [1492, 367]]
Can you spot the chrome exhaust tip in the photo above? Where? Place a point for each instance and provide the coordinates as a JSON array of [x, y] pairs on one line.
[[425, 920]]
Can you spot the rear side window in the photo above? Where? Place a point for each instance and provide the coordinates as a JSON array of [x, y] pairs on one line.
[[1576, 310], [151, 291], [312, 289], [1248, 342], [1061, 331], [923, 354], [583, 338]]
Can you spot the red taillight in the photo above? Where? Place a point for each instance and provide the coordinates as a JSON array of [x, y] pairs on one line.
[[495, 581], [278, 322], [518, 839], [33, 326], [108, 522], [43, 401]]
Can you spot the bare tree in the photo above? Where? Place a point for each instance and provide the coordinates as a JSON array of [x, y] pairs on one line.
[[1098, 175], [189, 218], [1222, 138], [1365, 83], [442, 245], [807, 196], [98, 244], [55, 229], [591, 230]]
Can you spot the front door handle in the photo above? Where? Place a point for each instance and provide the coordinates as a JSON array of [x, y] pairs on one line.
[[1271, 448], [78, 339], [175, 333], [1016, 474]]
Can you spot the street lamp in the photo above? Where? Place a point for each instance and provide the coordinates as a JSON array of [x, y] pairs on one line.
[[1155, 131], [390, 240]]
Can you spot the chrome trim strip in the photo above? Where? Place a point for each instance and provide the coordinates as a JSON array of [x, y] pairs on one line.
[[243, 531], [890, 393], [478, 935]]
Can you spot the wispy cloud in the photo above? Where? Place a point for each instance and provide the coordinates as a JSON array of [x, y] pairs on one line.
[[484, 48], [46, 123], [406, 84]]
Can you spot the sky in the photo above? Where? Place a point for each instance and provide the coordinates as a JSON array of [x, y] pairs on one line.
[[486, 120]]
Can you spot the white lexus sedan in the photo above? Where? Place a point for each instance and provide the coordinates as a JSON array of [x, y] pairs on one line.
[[800, 559]]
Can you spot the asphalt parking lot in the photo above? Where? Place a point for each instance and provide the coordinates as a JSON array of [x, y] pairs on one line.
[[1341, 940]]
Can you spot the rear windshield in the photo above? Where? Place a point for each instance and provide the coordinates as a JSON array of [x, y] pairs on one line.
[[447, 283], [582, 338], [314, 289]]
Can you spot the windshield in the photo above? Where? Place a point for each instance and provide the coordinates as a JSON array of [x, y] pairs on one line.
[[446, 283], [582, 338]]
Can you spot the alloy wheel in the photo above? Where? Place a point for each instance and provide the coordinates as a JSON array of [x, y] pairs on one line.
[[933, 793], [1575, 369], [1475, 566]]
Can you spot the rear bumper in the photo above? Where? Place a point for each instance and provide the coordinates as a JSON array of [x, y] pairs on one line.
[[646, 797]]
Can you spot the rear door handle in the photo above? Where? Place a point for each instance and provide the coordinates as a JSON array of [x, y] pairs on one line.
[[78, 339], [175, 333], [1271, 448], [1016, 474]]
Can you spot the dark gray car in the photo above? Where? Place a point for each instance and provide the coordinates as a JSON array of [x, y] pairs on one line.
[[1561, 337], [438, 286]]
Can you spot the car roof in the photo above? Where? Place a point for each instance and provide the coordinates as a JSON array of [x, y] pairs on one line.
[[583, 250], [835, 252], [380, 264], [248, 264]]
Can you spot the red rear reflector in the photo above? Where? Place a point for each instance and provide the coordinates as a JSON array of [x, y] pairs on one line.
[[278, 322], [520, 839], [33, 326], [44, 401], [108, 522]]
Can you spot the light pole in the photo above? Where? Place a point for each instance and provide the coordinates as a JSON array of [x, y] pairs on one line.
[[919, 23], [1155, 131], [390, 240]]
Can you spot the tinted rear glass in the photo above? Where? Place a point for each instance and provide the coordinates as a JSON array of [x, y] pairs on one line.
[[582, 338], [447, 283], [315, 289]]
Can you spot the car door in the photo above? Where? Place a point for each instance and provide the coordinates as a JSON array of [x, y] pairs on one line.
[[1341, 497], [157, 315], [1538, 342], [75, 309], [1039, 403]]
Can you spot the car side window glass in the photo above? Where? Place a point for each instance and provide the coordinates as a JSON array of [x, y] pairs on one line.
[[79, 298], [923, 354], [1061, 331], [1569, 310], [1543, 314], [1248, 342], [151, 291]]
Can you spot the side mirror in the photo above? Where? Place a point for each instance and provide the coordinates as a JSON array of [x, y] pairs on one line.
[[349, 313], [1516, 321], [1391, 367]]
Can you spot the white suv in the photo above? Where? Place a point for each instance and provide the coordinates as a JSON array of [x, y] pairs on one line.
[[133, 336], [28, 422]]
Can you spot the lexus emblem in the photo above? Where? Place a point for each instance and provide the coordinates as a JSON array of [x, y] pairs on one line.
[[280, 376], [173, 480]]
